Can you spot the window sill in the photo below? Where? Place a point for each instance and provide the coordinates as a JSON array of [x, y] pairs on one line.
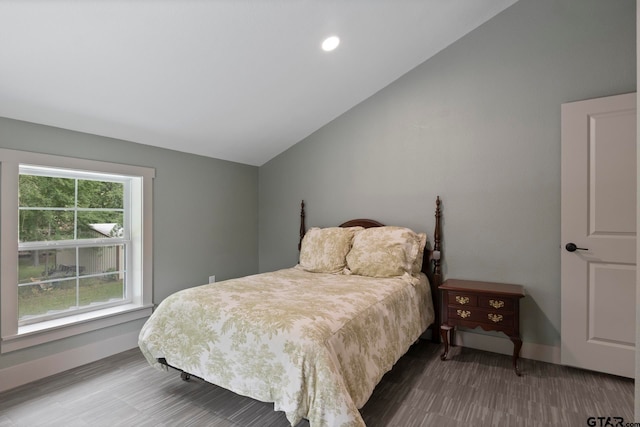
[[51, 330]]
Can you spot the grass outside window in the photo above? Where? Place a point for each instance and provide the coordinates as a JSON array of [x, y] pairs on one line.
[[57, 292]]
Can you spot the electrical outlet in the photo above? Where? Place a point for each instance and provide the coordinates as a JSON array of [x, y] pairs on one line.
[[212, 279]]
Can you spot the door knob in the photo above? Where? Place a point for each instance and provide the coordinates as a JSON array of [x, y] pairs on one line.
[[571, 247]]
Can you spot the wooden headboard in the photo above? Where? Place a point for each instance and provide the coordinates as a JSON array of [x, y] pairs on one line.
[[431, 255]]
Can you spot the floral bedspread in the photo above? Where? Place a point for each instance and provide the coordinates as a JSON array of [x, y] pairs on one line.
[[314, 344]]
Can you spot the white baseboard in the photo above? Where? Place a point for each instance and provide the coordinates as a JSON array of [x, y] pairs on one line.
[[33, 370], [503, 345]]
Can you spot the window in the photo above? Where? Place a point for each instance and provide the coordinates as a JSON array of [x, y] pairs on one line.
[[76, 246], [73, 241]]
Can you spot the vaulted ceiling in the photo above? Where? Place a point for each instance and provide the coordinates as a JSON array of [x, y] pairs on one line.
[[240, 80]]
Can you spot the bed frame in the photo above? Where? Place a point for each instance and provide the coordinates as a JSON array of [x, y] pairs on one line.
[[430, 255], [434, 274]]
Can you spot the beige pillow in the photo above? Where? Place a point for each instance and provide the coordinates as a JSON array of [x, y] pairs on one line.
[[422, 243], [324, 250], [383, 252]]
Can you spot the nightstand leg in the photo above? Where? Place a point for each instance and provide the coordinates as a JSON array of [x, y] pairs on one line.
[[517, 345], [444, 333]]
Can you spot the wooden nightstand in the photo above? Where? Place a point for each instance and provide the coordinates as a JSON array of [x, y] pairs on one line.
[[491, 306]]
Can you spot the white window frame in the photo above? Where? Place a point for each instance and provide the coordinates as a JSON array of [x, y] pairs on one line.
[[12, 335]]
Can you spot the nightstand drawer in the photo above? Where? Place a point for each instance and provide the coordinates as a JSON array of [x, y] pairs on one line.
[[496, 303], [474, 314], [457, 298]]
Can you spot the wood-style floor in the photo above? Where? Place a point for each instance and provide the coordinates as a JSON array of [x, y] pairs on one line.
[[474, 388]]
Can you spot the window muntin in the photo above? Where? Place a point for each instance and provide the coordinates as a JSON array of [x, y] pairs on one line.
[[74, 242]]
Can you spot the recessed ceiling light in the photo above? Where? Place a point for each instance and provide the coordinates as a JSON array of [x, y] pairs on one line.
[[330, 43]]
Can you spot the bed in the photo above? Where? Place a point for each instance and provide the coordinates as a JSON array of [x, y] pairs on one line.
[[314, 339]]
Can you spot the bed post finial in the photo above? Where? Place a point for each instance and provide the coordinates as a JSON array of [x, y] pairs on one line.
[[302, 226]]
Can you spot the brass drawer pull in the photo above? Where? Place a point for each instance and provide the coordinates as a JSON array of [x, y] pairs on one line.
[[463, 313], [462, 300], [495, 317], [496, 303]]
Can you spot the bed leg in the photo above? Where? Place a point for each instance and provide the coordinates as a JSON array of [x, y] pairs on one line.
[[184, 376]]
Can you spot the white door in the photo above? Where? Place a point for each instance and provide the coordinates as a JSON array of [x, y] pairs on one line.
[[599, 217]]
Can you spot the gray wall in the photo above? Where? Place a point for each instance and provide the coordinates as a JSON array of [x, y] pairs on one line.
[[205, 214], [479, 125]]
